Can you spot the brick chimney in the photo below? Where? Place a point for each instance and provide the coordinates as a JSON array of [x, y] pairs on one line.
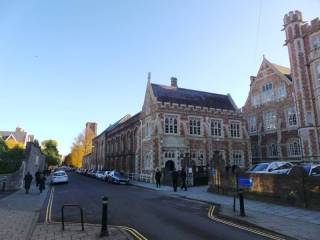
[[174, 82]]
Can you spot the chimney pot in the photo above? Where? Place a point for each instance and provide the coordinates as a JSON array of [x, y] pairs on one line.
[[174, 82]]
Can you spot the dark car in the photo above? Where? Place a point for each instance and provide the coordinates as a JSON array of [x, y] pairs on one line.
[[117, 177]]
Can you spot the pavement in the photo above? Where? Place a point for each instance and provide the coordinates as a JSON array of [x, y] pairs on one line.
[[20, 212], [282, 219], [73, 231]]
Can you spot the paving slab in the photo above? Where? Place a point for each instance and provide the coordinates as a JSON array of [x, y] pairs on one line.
[[73, 231]]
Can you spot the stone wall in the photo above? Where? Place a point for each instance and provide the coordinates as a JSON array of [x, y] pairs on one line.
[[34, 158], [295, 190], [14, 180]]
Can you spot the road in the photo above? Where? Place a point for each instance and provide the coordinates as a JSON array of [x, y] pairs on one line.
[[153, 214]]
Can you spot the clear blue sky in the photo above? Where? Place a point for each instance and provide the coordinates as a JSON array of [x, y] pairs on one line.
[[63, 63]]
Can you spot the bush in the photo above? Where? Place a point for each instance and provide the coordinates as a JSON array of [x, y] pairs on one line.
[[8, 166]]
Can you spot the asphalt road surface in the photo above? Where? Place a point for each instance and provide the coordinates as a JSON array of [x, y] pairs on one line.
[[153, 214]]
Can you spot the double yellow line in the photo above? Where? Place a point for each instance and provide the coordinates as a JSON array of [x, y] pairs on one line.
[[49, 206], [252, 230], [133, 232]]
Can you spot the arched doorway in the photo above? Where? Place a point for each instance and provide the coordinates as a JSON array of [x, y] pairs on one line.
[[167, 172], [169, 165]]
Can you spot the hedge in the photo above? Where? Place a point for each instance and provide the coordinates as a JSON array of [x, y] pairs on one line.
[[7, 166]]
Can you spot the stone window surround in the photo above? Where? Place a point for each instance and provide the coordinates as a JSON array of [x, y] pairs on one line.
[[271, 123], [195, 127], [237, 158], [251, 128], [315, 37], [288, 114], [211, 128], [238, 133], [292, 145], [167, 115], [272, 150]]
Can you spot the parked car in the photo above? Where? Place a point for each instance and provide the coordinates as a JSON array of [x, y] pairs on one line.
[[99, 175], [272, 167], [59, 177], [283, 169], [312, 169], [117, 177]]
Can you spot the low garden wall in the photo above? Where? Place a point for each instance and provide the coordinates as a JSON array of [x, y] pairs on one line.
[[13, 180], [295, 190]]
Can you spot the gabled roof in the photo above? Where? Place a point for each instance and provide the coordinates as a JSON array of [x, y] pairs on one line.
[[19, 136], [192, 97], [284, 70]]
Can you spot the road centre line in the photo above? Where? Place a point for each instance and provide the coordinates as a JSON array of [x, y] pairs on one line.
[[214, 218]]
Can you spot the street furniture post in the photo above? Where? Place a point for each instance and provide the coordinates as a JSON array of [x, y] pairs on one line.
[[241, 202], [104, 221]]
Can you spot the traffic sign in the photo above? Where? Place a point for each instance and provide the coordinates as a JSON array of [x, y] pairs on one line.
[[245, 182]]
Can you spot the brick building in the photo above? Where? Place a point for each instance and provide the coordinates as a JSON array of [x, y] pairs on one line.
[[283, 106], [121, 144], [183, 127], [303, 42], [271, 115]]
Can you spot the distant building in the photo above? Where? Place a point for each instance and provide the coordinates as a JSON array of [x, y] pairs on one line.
[[18, 137]]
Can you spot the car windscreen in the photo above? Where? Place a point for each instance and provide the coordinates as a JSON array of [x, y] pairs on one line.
[[59, 174], [260, 167], [284, 166], [315, 171]]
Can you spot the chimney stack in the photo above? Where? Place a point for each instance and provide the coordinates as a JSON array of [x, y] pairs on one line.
[[174, 82]]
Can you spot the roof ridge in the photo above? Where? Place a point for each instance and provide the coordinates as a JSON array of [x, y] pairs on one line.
[[188, 89]]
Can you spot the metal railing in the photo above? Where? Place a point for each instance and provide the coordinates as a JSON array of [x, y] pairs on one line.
[[72, 205]]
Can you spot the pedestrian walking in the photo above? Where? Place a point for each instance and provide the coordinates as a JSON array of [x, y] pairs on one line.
[[27, 182], [158, 178], [42, 182], [37, 176], [183, 176], [175, 180]]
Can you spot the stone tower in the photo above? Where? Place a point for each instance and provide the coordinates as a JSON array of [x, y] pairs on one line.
[[299, 37], [90, 133]]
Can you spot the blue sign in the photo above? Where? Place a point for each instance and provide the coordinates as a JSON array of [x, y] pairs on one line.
[[245, 182]]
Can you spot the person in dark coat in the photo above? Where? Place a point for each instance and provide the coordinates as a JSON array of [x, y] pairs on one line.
[[158, 178], [183, 176], [37, 176], [27, 182], [175, 180], [42, 182]]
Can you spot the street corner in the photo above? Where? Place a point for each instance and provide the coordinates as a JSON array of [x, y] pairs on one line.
[[73, 231]]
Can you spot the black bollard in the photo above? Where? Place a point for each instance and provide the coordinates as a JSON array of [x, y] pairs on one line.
[[242, 212], [104, 221], [3, 186]]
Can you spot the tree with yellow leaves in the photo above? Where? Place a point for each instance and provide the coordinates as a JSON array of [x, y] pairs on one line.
[[11, 143], [77, 151]]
